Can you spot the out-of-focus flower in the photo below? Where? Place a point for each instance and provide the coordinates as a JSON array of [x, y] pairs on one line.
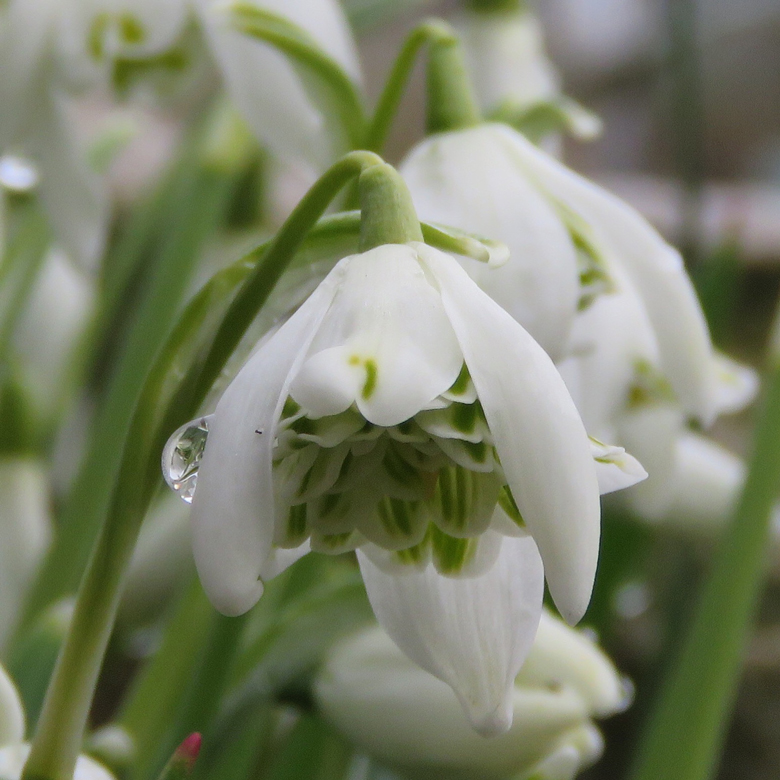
[[25, 531], [48, 337], [287, 111], [403, 716], [402, 412], [14, 752]]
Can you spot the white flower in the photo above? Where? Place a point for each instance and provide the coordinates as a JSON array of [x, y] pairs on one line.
[[490, 178], [284, 109], [48, 337], [402, 412], [411, 721], [14, 752], [506, 59]]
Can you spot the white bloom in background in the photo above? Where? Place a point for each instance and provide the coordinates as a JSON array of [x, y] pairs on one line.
[[612, 303], [25, 532], [14, 752], [402, 412], [286, 110], [506, 59], [408, 719], [47, 340]]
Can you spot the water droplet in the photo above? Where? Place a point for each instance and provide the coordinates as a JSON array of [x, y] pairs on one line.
[[182, 456], [17, 173]]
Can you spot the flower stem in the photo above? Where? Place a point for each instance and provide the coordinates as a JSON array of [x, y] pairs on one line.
[[431, 33], [58, 738], [684, 736], [451, 103], [387, 212]]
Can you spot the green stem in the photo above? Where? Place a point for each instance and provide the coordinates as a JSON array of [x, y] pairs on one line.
[[684, 737], [496, 6], [451, 103], [197, 206], [57, 740], [388, 214], [428, 33], [208, 681]]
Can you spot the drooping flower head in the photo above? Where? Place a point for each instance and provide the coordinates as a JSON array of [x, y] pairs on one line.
[[401, 412]]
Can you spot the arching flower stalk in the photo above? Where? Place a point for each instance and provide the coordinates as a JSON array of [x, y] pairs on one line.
[[401, 412]]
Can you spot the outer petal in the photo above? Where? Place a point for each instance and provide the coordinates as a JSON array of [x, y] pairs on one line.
[[470, 178], [386, 344], [73, 194], [401, 714], [505, 56], [11, 711], [264, 84], [541, 442], [654, 266], [472, 633], [736, 385], [564, 656], [233, 507], [609, 340], [651, 433]]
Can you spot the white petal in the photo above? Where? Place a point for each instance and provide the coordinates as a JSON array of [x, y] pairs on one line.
[[541, 442], [386, 343], [650, 432], [704, 487], [608, 341], [615, 468], [11, 711], [266, 86], [470, 178], [736, 385], [25, 533], [472, 633], [567, 657], [506, 59], [73, 195], [395, 711], [654, 266], [233, 507], [25, 31]]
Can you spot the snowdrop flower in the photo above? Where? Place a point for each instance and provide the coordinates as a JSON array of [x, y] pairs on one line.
[[48, 337], [402, 412], [408, 719], [616, 376], [596, 285], [37, 123], [514, 80], [14, 752]]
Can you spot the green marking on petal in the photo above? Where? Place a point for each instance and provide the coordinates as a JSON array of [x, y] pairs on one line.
[[335, 542], [650, 386], [371, 376], [131, 29], [507, 502], [464, 500], [297, 527], [397, 517], [416, 555], [461, 384], [290, 408], [464, 417], [450, 555], [97, 31]]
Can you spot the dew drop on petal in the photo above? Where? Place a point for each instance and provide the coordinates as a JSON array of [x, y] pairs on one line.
[[182, 456], [17, 173]]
